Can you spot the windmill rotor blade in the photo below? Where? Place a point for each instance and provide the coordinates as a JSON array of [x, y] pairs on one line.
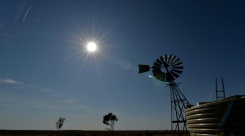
[[161, 58], [156, 71], [178, 67], [179, 63], [165, 58], [174, 74], [157, 64], [169, 77], [172, 59], [156, 67], [161, 77], [178, 59], [158, 74], [164, 77], [158, 61], [169, 58], [177, 71]]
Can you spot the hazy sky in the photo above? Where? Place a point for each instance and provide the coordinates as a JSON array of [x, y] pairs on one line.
[[46, 71]]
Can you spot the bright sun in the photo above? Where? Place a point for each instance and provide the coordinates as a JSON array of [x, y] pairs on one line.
[[91, 47]]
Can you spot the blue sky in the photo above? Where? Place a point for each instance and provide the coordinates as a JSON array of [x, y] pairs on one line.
[[46, 72]]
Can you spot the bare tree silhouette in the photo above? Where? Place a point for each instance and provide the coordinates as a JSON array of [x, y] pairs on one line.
[[110, 119], [59, 124]]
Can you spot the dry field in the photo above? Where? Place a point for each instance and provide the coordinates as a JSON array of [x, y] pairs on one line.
[[85, 133]]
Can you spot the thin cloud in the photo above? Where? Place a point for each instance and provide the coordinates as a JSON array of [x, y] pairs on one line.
[[10, 81], [19, 87], [46, 90], [82, 106], [57, 95], [75, 103], [69, 101], [32, 86]]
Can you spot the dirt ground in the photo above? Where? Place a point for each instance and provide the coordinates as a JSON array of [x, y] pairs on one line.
[[87, 133]]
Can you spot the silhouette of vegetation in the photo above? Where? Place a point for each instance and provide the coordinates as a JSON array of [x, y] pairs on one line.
[[110, 120], [59, 124], [92, 133]]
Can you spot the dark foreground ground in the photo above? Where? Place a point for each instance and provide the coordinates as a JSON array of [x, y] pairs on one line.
[[85, 133]]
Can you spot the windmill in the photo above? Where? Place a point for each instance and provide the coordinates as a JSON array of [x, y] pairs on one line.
[[167, 68]]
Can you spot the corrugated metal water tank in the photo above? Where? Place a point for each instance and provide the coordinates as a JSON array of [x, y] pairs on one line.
[[212, 118]]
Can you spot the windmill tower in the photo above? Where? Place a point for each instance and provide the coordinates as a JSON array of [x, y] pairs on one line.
[[167, 68]]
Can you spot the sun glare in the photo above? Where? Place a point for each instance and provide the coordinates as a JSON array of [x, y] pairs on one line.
[[91, 47]]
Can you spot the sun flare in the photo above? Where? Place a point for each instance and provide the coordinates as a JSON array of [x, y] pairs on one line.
[[91, 47]]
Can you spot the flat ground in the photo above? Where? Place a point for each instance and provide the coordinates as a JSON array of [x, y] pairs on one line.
[[85, 133]]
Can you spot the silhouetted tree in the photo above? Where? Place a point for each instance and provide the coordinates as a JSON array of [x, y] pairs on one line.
[[59, 124], [110, 119]]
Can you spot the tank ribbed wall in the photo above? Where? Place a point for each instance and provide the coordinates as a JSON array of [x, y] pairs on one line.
[[226, 116]]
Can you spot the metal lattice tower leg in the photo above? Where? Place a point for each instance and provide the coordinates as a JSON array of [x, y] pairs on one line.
[[220, 94], [178, 104]]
